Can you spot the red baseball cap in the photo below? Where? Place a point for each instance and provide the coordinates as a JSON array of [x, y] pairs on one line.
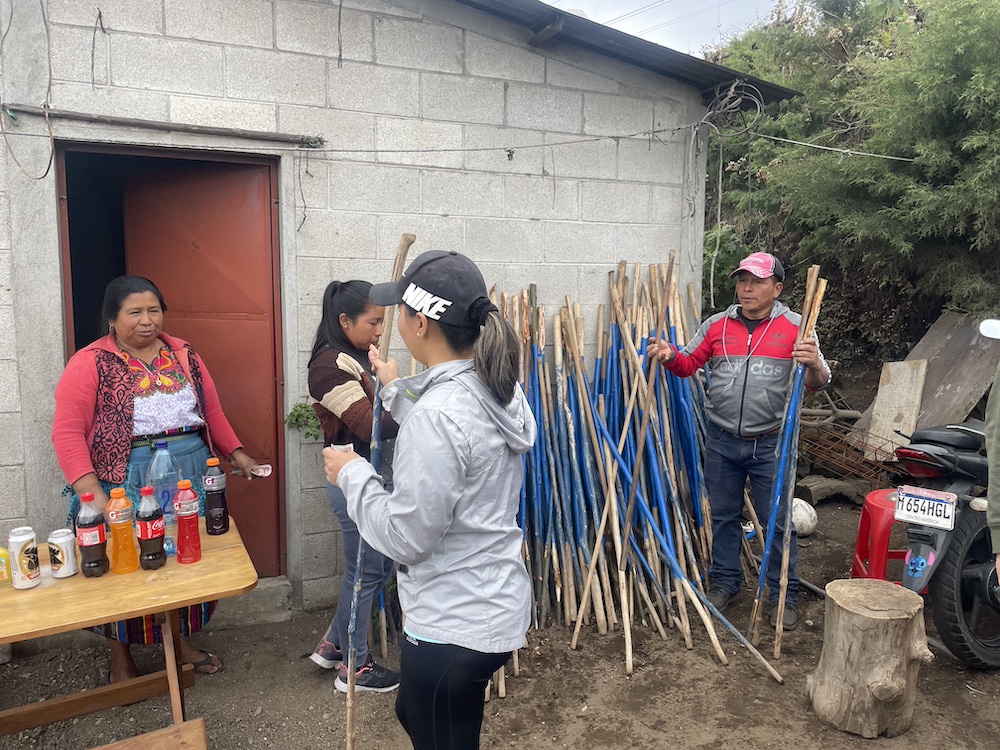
[[761, 265]]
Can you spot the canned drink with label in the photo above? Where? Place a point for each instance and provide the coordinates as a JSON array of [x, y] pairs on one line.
[[62, 553], [23, 547]]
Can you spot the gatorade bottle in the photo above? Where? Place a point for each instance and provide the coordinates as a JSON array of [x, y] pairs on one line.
[[124, 558], [162, 475], [188, 535], [91, 538], [216, 509], [149, 524]]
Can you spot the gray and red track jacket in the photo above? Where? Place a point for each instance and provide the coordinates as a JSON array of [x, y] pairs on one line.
[[750, 373]]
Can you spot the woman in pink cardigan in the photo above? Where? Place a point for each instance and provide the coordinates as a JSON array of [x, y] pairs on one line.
[[115, 398]]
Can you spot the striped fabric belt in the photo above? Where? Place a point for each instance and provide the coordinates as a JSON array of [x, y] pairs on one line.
[[169, 435]]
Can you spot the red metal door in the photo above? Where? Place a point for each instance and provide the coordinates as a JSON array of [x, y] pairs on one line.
[[204, 233]]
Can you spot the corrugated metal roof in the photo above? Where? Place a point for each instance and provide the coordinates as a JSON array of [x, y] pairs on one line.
[[546, 22]]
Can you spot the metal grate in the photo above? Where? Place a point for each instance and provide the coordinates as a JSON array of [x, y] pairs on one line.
[[846, 454]]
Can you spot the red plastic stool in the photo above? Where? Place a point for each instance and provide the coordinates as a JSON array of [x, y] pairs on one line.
[[871, 549]]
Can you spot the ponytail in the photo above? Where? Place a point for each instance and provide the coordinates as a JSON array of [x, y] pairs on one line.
[[497, 357]]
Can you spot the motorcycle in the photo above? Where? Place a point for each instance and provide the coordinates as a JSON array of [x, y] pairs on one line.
[[943, 473]]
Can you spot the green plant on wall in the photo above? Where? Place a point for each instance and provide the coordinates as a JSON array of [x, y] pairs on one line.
[[304, 419]]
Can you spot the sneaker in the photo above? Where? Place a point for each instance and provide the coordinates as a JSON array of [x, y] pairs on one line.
[[370, 678], [719, 598], [326, 655], [789, 619]]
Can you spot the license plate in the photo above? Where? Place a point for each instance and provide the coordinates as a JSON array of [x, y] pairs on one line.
[[926, 507]]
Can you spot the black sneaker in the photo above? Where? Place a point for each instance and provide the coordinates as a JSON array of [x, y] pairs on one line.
[[720, 598], [370, 678], [789, 619], [326, 655]]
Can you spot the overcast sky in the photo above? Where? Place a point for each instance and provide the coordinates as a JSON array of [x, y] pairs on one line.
[[683, 25]]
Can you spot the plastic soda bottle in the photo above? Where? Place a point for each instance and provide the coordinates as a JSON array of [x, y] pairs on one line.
[[188, 535], [124, 557], [163, 474], [149, 525], [91, 539], [216, 508]]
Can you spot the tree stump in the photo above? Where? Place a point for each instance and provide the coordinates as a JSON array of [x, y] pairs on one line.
[[873, 644]]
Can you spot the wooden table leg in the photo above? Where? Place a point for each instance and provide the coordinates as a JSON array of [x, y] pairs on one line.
[[170, 626]]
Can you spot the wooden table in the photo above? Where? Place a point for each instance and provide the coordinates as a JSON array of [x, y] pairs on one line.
[[58, 605]]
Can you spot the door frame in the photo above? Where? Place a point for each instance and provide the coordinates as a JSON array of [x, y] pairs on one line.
[[221, 157]]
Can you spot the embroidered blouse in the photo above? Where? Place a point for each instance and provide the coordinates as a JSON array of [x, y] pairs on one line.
[[164, 398]]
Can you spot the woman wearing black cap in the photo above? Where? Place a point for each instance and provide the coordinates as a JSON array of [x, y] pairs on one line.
[[450, 520]]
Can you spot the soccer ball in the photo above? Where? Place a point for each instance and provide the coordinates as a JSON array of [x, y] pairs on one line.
[[803, 516]]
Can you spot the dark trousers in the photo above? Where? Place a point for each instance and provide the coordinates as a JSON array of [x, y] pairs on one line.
[[729, 461], [440, 700]]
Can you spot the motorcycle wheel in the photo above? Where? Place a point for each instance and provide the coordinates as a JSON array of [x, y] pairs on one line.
[[963, 594]]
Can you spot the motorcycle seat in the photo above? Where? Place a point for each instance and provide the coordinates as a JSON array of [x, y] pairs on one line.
[[957, 439], [974, 465]]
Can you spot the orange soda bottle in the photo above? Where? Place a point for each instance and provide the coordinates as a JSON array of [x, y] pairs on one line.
[[124, 556], [188, 534]]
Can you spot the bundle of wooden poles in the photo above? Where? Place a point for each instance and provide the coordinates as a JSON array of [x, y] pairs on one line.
[[614, 509]]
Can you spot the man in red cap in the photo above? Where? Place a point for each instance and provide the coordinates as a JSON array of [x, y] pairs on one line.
[[752, 349]]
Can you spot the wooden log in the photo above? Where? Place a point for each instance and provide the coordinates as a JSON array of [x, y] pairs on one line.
[[815, 488], [873, 645]]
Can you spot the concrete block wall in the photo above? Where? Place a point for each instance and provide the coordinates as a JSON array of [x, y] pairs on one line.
[[438, 119]]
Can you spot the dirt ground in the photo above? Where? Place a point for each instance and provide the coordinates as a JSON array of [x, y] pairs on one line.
[[271, 696]]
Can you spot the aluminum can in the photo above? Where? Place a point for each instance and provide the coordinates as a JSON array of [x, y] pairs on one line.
[[62, 553], [23, 547]]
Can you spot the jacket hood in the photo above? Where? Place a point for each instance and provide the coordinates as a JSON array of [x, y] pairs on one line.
[[514, 421], [779, 309]]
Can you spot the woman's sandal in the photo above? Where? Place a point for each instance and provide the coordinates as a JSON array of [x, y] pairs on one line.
[[207, 665]]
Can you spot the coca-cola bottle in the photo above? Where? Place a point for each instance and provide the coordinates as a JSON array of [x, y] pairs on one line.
[[216, 508], [149, 524], [91, 538]]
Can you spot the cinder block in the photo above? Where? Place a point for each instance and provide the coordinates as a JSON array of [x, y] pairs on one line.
[[321, 555], [314, 30], [592, 159], [669, 204], [223, 113], [373, 88], [647, 243], [170, 65], [312, 185], [614, 202], [4, 225], [310, 455], [462, 99], [142, 16], [461, 193], [8, 336], [433, 233], [110, 101], [604, 114], [313, 276], [11, 441], [541, 108], [13, 492], [492, 59], [401, 8], [309, 317], [669, 113], [418, 44], [320, 593], [339, 128], [541, 198], [245, 22], [336, 234], [510, 150], [6, 283], [377, 188], [375, 271], [264, 75], [316, 513], [576, 242], [570, 77], [427, 142], [641, 160], [505, 240], [77, 55], [554, 282], [10, 398]]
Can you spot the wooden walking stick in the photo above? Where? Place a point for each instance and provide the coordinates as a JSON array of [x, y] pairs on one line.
[[376, 452]]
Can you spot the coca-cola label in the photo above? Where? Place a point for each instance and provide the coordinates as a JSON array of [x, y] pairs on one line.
[[90, 536], [150, 529], [120, 515], [214, 482]]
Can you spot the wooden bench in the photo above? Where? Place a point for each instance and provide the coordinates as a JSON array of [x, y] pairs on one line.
[[189, 735]]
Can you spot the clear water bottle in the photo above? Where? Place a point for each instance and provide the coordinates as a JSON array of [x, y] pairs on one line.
[[162, 475]]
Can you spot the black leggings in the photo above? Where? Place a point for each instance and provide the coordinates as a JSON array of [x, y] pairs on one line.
[[441, 690]]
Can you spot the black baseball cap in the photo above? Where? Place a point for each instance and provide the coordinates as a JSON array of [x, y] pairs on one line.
[[445, 286]]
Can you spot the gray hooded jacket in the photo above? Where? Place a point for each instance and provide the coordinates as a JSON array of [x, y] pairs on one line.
[[450, 522]]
